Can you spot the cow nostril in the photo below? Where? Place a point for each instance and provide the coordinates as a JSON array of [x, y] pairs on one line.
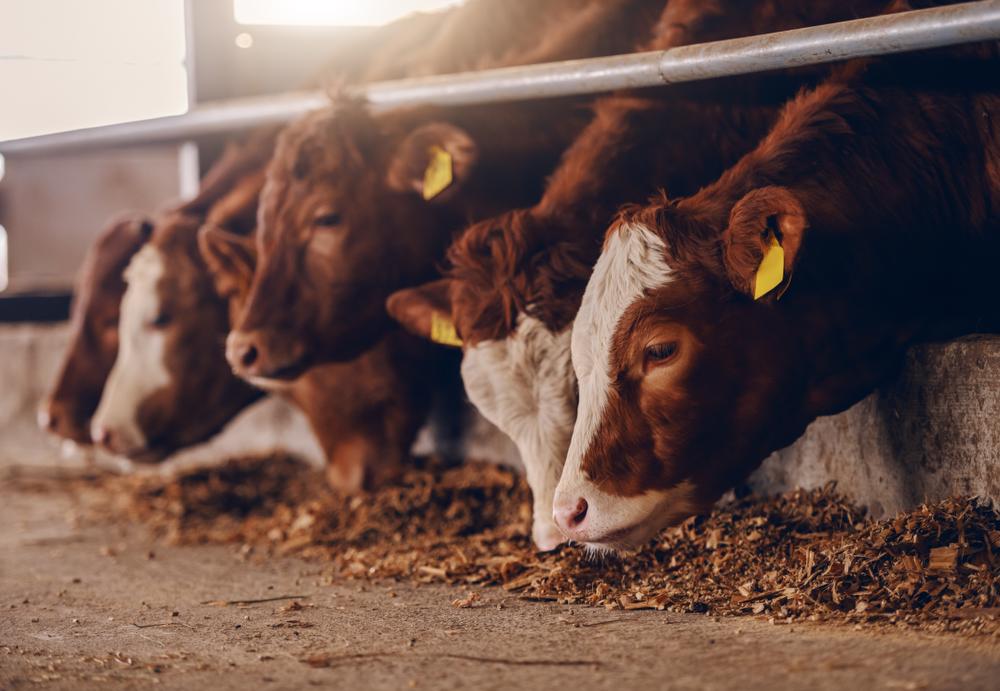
[[249, 356], [570, 517], [102, 436], [46, 419]]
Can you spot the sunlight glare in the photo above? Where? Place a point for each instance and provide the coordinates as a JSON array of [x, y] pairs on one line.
[[331, 12]]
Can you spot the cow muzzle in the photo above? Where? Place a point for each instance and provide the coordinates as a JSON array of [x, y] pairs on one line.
[[254, 355], [585, 514], [57, 418]]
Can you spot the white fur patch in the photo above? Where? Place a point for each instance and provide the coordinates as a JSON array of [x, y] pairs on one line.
[[631, 264], [524, 385], [140, 369]]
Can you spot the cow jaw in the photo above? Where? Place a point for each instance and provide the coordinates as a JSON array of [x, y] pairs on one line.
[[631, 264], [524, 385], [140, 369]]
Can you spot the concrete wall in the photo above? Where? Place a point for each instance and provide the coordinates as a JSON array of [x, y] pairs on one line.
[[934, 432]]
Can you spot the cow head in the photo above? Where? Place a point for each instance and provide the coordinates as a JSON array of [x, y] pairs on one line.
[[94, 330], [511, 295], [343, 222], [170, 386], [686, 382]]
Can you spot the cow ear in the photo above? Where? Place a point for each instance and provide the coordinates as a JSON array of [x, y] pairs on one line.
[[762, 242], [425, 311], [433, 160], [230, 258]]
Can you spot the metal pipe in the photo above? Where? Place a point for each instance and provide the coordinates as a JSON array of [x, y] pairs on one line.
[[885, 34]]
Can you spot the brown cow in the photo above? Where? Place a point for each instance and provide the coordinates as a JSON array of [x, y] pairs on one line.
[[516, 281], [94, 330], [344, 223], [343, 218], [365, 413], [874, 199]]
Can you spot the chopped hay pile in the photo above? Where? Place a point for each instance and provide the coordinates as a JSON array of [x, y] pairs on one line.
[[806, 555]]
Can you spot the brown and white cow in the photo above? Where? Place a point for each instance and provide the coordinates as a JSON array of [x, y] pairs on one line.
[[515, 281], [153, 402], [874, 200], [67, 410]]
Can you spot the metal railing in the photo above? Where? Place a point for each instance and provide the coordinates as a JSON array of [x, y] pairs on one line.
[[886, 34]]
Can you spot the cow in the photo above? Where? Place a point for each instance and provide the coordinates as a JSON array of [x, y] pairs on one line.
[[153, 404], [515, 281], [716, 326], [93, 344], [346, 217], [365, 413]]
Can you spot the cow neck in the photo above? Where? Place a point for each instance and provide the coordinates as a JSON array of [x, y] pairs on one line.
[[889, 257]]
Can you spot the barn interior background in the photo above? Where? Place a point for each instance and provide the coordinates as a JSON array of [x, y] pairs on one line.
[[931, 434]]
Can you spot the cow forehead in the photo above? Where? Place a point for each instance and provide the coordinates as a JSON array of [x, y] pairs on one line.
[[142, 275], [632, 263]]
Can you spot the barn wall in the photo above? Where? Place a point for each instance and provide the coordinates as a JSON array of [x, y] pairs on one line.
[[54, 206]]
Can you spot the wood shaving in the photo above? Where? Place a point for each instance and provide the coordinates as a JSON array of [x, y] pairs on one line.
[[801, 556]]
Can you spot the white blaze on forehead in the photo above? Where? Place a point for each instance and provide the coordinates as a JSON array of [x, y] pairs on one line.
[[524, 385], [140, 368], [631, 264]]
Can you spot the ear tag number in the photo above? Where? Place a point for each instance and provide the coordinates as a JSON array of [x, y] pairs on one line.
[[438, 176], [443, 330], [771, 271]]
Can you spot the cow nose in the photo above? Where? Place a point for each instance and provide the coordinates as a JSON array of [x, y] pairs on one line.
[[242, 351], [103, 436], [248, 356], [569, 517]]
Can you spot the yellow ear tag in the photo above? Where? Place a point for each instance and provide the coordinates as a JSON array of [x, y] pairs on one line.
[[771, 270], [438, 175], [443, 330]]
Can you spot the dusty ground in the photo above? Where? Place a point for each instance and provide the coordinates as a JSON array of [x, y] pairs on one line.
[[95, 606]]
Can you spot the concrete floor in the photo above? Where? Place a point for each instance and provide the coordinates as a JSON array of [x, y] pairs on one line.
[[93, 605]]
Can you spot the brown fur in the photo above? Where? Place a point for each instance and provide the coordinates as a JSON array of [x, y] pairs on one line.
[[490, 33], [366, 412], [883, 183], [319, 293]]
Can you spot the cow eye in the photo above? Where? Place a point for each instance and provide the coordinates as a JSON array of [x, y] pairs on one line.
[[160, 321], [659, 353], [327, 220]]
